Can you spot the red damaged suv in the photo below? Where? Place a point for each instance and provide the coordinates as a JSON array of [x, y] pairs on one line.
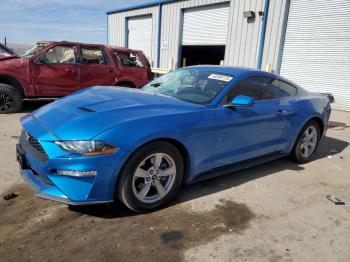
[[55, 69]]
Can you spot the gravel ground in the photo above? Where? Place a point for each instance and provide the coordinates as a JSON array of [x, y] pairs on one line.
[[273, 212]]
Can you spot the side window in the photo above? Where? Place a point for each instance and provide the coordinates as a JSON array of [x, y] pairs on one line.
[[129, 59], [92, 55], [60, 55], [286, 89], [259, 88]]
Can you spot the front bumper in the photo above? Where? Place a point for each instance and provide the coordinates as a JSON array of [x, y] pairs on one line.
[[51, 192], [41, 173]]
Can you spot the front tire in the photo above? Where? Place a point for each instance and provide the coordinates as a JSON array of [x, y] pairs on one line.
[[151, 177], [10, 99], [307, 142]]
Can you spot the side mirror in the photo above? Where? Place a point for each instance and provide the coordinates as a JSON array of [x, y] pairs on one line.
[[41, 60], [241, 101]]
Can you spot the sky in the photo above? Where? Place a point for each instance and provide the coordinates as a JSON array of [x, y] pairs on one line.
[[29, 21]]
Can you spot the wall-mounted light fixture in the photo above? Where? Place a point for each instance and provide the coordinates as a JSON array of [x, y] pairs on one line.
[[250, 15]]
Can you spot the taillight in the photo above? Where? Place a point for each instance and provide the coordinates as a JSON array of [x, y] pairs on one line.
[[150, 75]]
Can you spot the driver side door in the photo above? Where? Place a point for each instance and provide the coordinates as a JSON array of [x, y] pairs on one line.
[[56, 71], [248, 132]]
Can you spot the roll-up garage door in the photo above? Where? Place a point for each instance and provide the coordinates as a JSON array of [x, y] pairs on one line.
[[140, 34], [316, 52], [206, 25]]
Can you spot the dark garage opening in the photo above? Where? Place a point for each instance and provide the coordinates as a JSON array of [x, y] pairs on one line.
[[202, 55]]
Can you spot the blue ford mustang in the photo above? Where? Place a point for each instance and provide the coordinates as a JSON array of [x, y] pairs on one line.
[[102, 144]]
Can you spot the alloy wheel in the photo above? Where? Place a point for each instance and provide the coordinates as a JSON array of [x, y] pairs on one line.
[[6, 102], [154, 178], [308, 142]]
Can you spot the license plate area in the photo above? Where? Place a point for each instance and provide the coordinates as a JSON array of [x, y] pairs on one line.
[[21, 157]]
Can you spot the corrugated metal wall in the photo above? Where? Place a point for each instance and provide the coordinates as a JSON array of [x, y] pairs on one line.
[[117, 28], [316, 54], [243, 38], [274, 31]]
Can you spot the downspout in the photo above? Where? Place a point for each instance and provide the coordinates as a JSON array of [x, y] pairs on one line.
[[159, 33], [263, 33], [107, 30]]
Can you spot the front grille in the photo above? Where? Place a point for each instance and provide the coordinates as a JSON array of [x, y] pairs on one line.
[[31, 145]]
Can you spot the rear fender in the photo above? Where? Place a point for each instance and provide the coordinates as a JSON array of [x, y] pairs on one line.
[[295, 134]]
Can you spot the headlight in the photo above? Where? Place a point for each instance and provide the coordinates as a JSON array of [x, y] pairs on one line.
[[87, 148]]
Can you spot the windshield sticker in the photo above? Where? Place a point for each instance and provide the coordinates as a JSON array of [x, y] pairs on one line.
[[220, 77]]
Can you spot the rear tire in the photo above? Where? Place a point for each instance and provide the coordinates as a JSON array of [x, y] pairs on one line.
[[307, 142], [10, 99], [151, 177]]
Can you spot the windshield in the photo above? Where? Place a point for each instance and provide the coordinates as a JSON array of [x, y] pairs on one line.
[[191, 85], [34, 50]]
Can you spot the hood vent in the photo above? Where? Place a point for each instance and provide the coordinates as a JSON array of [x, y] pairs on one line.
[[86, 109]]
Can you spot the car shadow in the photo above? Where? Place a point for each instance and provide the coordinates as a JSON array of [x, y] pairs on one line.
[[328, 146]]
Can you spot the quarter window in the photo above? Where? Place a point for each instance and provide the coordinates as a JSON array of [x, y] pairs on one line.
[[259, 88], [60, 55], [129, 59], [286, 89]]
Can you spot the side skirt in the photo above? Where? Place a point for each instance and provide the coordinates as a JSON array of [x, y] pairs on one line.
[[236, 167]]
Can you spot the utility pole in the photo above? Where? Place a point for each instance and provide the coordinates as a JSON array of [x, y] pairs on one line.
[[5, 41]]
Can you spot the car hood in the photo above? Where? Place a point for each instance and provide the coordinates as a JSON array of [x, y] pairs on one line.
[[13, 64], [87, 113], [7, 56]]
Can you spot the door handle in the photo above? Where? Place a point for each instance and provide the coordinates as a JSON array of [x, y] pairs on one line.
[[285, 112]]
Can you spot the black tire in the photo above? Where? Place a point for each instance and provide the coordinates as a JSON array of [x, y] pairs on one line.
[[296, 153], [10, 99], [125, 190]]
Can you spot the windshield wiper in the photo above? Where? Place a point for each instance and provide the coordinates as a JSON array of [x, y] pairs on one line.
[[156, 84]]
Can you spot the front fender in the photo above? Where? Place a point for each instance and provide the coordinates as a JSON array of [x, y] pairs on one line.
[[26, 88], [195, 134]]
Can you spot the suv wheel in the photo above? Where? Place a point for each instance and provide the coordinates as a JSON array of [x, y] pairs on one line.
[[10, 99], [151, 177]]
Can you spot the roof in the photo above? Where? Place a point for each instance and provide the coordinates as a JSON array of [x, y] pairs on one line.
[[88, 44], [121, 49], [143, 5], [239, 72], [233, 70]]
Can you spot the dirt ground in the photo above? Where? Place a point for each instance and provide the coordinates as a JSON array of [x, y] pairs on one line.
[[273, 212]]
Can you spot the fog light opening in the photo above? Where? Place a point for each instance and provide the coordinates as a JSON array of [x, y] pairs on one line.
[[76, 173]]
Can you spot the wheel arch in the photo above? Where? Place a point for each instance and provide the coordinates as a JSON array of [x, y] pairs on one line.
[[319, 121], [174, 142], [12, 81], [296, 133], [126, 83]]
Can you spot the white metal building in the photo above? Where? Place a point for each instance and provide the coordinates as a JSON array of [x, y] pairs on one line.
[[307, 41]]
